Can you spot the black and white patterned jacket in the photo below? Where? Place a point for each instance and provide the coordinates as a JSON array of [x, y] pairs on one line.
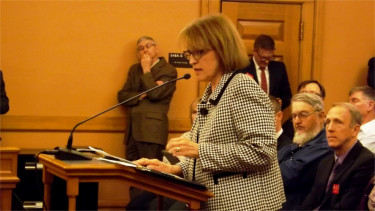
[[237, 148]]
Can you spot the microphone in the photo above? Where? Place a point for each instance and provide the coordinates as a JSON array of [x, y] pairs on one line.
[[69, 153]]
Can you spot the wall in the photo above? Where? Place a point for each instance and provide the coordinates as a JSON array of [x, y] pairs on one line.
[[346, 43], [64, 61]]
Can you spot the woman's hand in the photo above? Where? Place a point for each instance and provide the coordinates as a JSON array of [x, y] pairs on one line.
[[371, 199], [159, 166], [182, 147]]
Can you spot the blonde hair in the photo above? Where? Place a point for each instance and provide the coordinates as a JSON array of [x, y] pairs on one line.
[[216, 32]]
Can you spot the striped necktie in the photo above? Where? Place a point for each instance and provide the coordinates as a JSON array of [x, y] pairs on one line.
[[263, 79]]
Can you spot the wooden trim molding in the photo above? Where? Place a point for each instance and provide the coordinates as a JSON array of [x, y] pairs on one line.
[[11, 123], [318, 42], [210, 7], [272, 1], [8, 164]]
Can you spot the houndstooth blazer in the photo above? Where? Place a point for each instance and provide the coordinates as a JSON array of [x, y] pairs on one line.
[[237, 148]]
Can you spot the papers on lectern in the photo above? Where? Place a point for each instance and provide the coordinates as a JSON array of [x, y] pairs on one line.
[[121, 161], [111, 158], [118, 162]]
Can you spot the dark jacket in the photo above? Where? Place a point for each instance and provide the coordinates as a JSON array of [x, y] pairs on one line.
[[370, 75], [298, 167], [283, 141], [4, 101], [350, 181], [278, 81], [148, 117]]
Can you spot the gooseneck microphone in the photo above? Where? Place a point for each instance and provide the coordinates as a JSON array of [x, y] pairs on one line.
[[69, 153]]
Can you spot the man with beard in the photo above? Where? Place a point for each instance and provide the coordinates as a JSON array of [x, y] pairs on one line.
[[299, 161], [310, 86]]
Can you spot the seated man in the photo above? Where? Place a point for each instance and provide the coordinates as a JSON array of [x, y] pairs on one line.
[[282, 139], [344, 174], [308, 86], [312, 86], [299, 161], [363, 98]]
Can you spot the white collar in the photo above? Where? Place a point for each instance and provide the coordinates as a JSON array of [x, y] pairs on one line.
[[369, 126], [278, 134]]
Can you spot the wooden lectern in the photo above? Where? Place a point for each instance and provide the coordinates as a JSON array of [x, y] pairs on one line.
[[8, 175], [74, 172]]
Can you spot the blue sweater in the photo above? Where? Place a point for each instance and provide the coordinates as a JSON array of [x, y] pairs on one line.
[[298, 167]]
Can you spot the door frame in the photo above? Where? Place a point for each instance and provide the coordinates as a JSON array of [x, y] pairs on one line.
[[309, 67]]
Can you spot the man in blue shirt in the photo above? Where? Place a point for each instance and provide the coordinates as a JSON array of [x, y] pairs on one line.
[[299, 161]]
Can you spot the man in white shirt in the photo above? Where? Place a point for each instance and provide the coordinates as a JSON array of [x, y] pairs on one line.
[[363, 98], [282, 139], [271, 75]]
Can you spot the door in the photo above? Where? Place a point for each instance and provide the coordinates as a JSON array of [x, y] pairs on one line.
[[280, 21]]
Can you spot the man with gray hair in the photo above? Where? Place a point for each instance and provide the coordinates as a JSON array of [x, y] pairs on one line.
[[345, 173], [147, 121], [299, 161], [363, 98]]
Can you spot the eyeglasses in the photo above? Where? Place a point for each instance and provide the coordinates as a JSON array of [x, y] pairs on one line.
[[263, 59], [196, 54], [302, 115], [147, 46]]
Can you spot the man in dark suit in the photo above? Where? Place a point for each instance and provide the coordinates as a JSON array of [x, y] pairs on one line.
[[269, 74], [344, 174], [147, 125]]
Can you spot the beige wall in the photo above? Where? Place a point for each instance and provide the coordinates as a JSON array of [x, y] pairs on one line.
[[64, 61], [346, 42]]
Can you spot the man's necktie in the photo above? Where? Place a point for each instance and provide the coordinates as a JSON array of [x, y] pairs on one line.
[[334, 170], [263, 79], [330, 180]]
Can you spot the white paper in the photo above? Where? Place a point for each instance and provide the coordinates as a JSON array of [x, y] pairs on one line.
[[111, 158], [118, 162]]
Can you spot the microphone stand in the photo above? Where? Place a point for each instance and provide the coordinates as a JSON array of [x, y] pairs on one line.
[[69, 153]]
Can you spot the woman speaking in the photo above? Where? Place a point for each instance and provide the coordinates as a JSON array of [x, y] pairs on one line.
[[231, 147]]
